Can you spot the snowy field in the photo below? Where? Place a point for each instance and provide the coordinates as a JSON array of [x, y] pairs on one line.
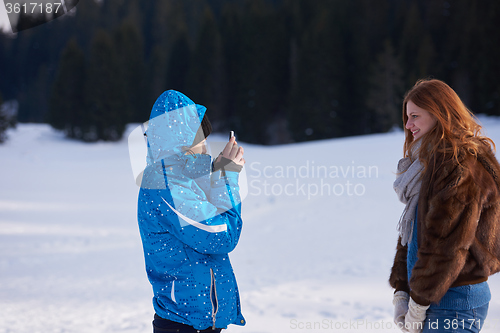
[[315, 253]]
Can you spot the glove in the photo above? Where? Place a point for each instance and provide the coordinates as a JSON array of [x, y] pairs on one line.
[[400, 302], [414, 319], [226, 164], [226, 159]]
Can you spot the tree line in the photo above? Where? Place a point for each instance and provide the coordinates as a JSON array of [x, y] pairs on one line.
[[275, 71]]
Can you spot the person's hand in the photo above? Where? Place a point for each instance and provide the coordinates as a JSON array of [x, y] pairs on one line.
[[400, 302], [414, 319], [231, 157]]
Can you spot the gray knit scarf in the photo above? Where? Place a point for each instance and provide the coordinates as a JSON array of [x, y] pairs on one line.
[[407, 187]]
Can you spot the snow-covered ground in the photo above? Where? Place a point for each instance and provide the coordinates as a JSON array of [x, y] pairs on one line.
[[315, 253]]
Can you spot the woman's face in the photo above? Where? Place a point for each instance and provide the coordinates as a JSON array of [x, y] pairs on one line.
[[420, 121]]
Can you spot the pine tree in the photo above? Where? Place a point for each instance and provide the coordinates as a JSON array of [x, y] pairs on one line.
[[67, 108], [106, 106], [84, 23], [231, 31], [386, 91], [413, 31], [129, 47], [206, 74], [263, 81], [178, 66], [166, 26], [318, 101], [484, 60]]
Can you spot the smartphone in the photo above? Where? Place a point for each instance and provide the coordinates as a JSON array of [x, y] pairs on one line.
[[231, 134]]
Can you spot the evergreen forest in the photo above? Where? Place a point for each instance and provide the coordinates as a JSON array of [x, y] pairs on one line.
[[274, 71]]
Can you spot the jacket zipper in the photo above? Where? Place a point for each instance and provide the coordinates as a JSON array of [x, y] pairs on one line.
[[213, 297]]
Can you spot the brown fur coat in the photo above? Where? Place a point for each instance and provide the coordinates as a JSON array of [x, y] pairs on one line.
[[458, 228]]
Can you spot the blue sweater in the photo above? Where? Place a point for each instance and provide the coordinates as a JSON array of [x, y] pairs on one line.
[[458, 298]]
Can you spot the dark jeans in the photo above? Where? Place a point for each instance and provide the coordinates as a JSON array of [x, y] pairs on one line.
[[161, 325], [455, 321]]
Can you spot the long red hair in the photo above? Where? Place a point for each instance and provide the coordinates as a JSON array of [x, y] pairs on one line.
[[456, 130]]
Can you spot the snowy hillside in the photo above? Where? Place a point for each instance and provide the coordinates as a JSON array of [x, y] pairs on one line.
[[315, 253]]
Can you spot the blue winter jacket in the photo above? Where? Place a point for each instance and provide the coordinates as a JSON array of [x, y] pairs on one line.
[[189, 220]]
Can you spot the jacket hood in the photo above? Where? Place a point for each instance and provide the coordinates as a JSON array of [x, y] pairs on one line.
[[172, 125]]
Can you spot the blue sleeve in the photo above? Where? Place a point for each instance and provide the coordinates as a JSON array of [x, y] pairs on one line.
[[209, 223]]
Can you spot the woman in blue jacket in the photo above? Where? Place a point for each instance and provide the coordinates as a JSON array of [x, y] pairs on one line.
[[189, 214]]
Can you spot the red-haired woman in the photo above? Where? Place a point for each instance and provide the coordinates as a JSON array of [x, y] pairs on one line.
[[449, 233]]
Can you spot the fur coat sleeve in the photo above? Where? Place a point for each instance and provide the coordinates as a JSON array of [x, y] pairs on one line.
[[399, 274], [458, 227]]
